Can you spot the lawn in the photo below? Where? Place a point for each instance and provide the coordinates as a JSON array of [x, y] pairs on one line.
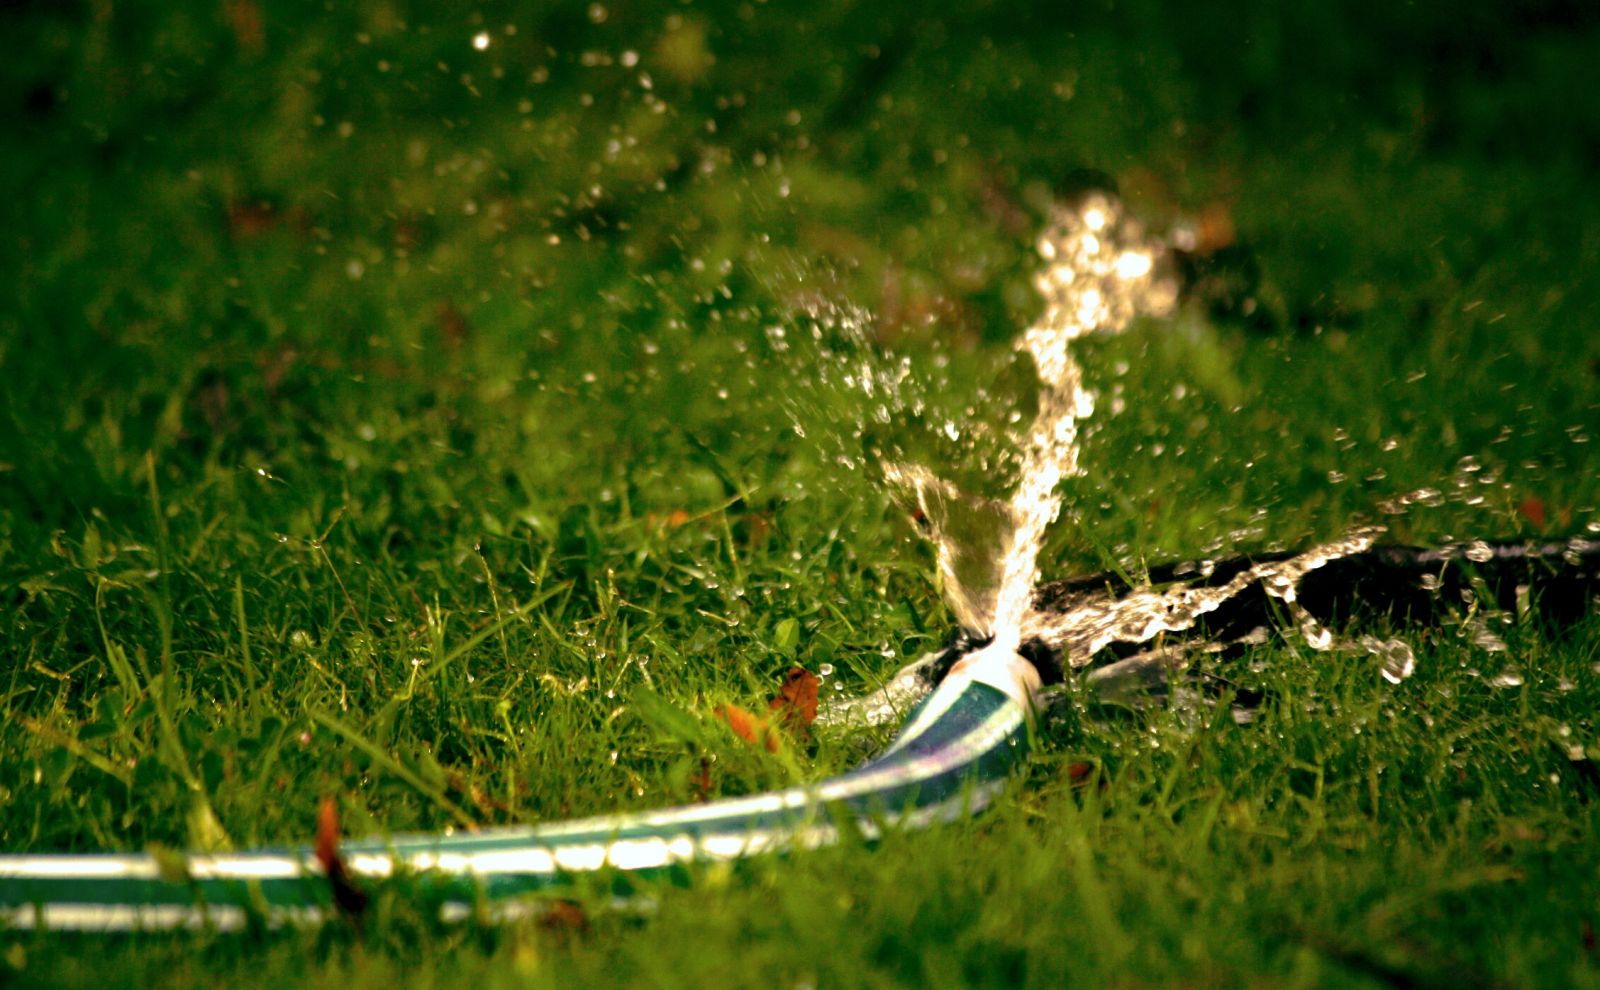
[[436, 409]]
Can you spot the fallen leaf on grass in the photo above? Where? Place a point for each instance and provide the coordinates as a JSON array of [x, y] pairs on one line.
[[248, 218], [700, 782], [1082, 775], [795, 707], [792, 710], [1215, 229], [669, 520], [244, 19], [454, 329], [564, 917], [751, 728], [1532, 509], [251, 219], [350, 899]]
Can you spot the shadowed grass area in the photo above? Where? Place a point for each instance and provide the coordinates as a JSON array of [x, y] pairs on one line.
[[446, 411]]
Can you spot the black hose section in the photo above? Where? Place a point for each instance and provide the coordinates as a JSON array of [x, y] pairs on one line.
[[1405, 586]]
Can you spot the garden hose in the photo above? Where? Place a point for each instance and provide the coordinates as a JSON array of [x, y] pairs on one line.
[[956, 750]]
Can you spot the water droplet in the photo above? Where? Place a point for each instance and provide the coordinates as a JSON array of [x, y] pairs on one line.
[[1480, 635], [1395, 657], [1507, 678], [1317, 636]]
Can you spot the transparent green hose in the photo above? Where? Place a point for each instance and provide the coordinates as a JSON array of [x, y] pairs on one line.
[[954, 753]]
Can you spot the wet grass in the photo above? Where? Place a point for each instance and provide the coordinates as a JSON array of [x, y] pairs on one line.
[[396, 420]]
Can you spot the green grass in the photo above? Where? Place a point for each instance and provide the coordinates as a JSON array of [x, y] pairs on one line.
[[387, 419]]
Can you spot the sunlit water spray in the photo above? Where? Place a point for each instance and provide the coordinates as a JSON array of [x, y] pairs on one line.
[[1099, 273]]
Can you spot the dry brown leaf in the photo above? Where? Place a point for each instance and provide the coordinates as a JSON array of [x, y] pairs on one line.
[[751, 728], [1215, 229], [1532, 509], [1080, 773], [244, 19], [700, 782], [670, 520], [251, 219], [564, 918], [793, 710], [454, 329], [350, 899], [795, 707]]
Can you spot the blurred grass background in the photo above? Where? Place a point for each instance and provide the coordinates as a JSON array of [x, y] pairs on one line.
[[390, 396]]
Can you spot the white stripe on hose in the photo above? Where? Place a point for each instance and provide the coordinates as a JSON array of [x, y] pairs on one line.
[[228, 918], [552, 858]]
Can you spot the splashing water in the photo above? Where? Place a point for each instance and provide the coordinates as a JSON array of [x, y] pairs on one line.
[[1100, 272], [1079, 629]]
